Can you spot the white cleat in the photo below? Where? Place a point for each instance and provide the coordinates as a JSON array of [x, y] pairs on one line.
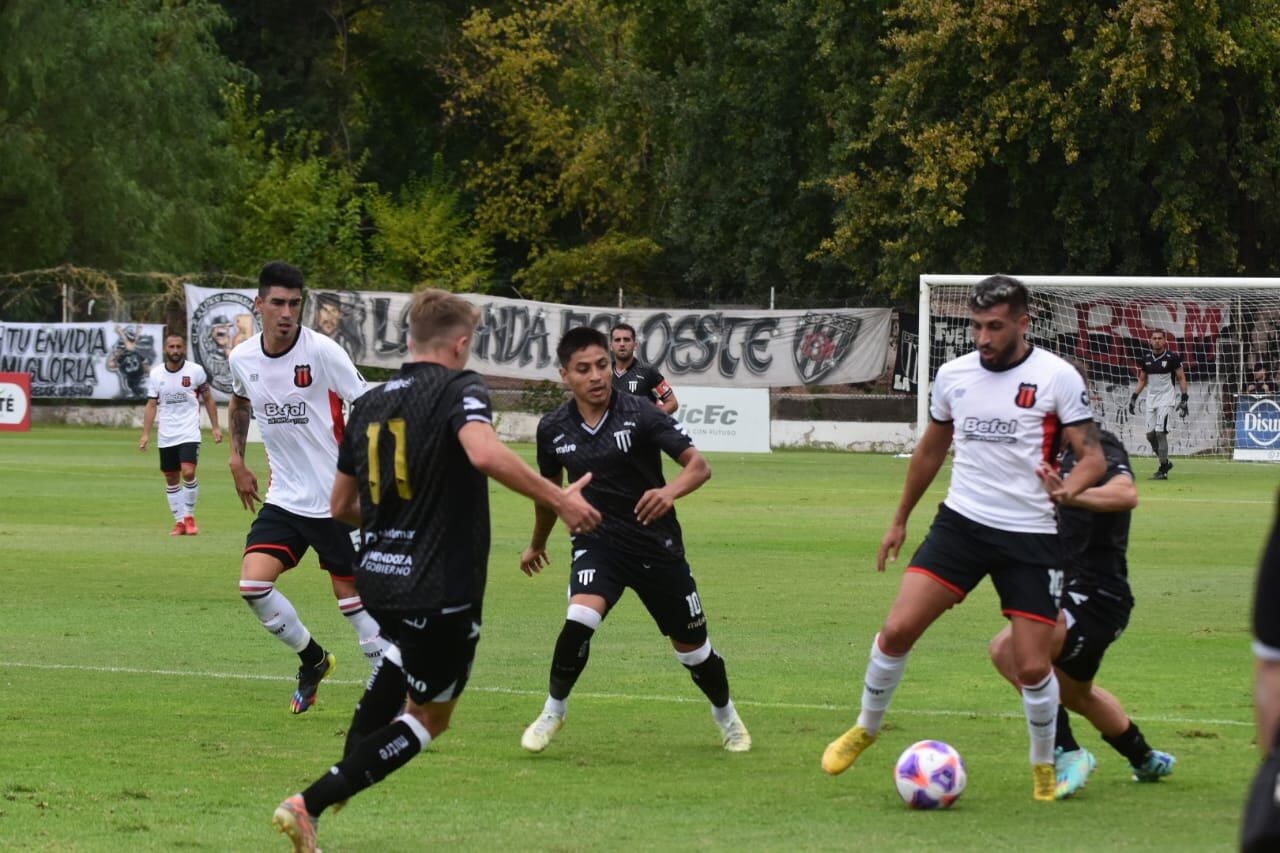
[[540, 732], [736, 736]]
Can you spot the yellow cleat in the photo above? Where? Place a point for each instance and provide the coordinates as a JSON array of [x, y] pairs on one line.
[[292, 819], [538, 735], [1046, 779], [844, 750]]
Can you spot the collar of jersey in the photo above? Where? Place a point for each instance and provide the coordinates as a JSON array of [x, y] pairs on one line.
[[262, 344], [179, 370], [623, 373], [603, 418], [1030, 349]]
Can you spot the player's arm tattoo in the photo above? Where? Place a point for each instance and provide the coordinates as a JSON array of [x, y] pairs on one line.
[[238, 423], [1089, 435]]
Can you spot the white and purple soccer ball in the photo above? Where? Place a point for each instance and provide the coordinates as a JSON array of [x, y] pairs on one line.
[[930, 775]]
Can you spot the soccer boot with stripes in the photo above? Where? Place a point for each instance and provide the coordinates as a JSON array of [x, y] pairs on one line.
[[844, 750], [190, 524], [1073, 769], [179, 529], [735, 736], [1156, 767], [292, 818], [1046, 782], [309, 678], [538, 735]]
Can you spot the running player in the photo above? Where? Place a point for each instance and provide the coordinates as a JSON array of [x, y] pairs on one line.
[[1007, 404], [1093, 528], [174, 391], [631, 377], [620, 439], [412, 469], [1159, 368], [294, 380]]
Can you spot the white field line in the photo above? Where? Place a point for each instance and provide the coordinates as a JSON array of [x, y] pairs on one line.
[[607, 697]]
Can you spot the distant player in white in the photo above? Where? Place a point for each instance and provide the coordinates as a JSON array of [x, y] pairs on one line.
[[295, 381], [1157, 372], [174, 391], [1007, 405]]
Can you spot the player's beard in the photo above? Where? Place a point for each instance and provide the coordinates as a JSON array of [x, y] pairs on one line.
[[1002, 358], [173, 361]]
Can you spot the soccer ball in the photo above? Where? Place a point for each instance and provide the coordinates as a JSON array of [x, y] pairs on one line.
[[930, 775]]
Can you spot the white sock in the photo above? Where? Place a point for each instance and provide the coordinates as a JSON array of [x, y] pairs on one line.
[[1040, 703], [418, 729], [724, 716], [191, 491], [174, 494], [559, 707], [883, 674], [276, 613], [367, 630]]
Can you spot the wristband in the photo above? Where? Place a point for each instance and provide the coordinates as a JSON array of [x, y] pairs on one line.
[[1184, 398]]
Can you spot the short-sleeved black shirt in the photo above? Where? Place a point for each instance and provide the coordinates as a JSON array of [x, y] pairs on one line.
[[1266, 599], [424, 508], [624, 455], [1095, 543], [641, 380]]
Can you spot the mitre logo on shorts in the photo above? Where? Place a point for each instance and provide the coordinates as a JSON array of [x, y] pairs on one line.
[[285, 413], [1026, 396], [186, 382], [990, 429], [302, 375]]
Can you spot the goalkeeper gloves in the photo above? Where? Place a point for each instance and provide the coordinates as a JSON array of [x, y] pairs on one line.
[[1133, 403], [1182, 406]]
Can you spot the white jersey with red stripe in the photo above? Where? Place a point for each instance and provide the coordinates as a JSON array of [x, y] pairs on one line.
[[297, 399], [1006, 423], [177, 396]]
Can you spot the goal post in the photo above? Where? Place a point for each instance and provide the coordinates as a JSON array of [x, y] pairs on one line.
[[1220, 326]]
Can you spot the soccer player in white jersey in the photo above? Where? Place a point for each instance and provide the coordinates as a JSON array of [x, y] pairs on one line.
[[1158, 371], [1007, 405], [174, 392], [295, 381]]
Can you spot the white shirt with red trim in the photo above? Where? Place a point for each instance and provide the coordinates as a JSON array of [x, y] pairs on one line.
[[177, 396], [297, 399], [1006, 423]]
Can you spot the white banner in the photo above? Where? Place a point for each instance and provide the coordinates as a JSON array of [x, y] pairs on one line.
[[99, 361], [733, 419], [517, 338]]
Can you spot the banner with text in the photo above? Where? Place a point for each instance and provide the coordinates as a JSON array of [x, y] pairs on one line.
[[516, 338], [99, 361], [15, 402], [734, 419], [1257, 428]]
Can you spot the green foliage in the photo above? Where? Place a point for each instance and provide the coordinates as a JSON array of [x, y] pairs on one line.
[[111, 133]]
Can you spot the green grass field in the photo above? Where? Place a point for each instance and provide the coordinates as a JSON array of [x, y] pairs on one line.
[[143, 707]]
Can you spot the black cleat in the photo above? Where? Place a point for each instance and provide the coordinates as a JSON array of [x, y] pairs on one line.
[[309, 678]]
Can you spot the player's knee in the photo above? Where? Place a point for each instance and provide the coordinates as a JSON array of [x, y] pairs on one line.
[[425, 725], [1151, 436], [584, 615], [188, 472], [897, 636], [1033, 672], [253, 591], [998, 649]]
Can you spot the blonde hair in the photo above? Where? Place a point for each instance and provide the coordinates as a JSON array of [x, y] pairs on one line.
[[438, 314]]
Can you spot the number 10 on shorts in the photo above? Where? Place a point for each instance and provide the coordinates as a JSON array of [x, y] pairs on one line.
[[695, 603], [1055, 583]]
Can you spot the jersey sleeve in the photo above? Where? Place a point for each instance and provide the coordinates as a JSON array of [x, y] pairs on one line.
[[346, 447], [1117, 461], [153, 386], [548, 463], [238, 386], [344, 379], [1071, 397], [666, 432], [940, 398], [469, 402], [199, 378], [661, 387], [1266, 600]]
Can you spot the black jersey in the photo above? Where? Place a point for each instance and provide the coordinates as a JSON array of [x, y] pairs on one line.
[[624, 455], [1161, 372], [1095, 543], [424, 508], [1266, 599], [641, 380]]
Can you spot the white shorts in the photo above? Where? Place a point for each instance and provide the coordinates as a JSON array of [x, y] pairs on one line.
[[1158, 418]]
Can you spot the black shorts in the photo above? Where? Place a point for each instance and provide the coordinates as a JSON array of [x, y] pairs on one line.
[[1095, 620], [436, 648], [286, 536], [665, 586], [1025, 568], [173, 457]]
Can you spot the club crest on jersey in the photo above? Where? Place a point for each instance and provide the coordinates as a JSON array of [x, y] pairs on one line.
[[302, 375], [186, 382], [1026, 397], [623, 439], [632, 384]]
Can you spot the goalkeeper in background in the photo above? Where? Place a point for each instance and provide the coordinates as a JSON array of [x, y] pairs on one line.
[[1159, 368]]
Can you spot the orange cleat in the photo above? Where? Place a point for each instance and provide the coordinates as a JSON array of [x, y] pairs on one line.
[[190, 523], [179, 529]]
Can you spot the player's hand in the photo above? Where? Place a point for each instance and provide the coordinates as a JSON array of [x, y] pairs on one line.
[[653, 505], [891, 544], [1133, 404], [1183, 409], [1053, 483], [217, 435], [246, 487], [534, 560], [577, 514], [142, 442]]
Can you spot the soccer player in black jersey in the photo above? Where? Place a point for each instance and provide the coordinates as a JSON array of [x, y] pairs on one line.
[[1158, 371], [1266, 640], [1094, 530], [411, 471], [631, 377], [620, 439]]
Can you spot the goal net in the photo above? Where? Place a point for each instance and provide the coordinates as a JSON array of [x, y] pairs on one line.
[[1221, 327]]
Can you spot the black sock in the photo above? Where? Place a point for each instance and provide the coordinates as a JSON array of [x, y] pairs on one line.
[[573, 646], [1065, 738], [1131, 744], [381, 702], [712, 679], [373, 759], [312, 654]]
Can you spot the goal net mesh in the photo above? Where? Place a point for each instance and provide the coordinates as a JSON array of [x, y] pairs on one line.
[[1221, 333]]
